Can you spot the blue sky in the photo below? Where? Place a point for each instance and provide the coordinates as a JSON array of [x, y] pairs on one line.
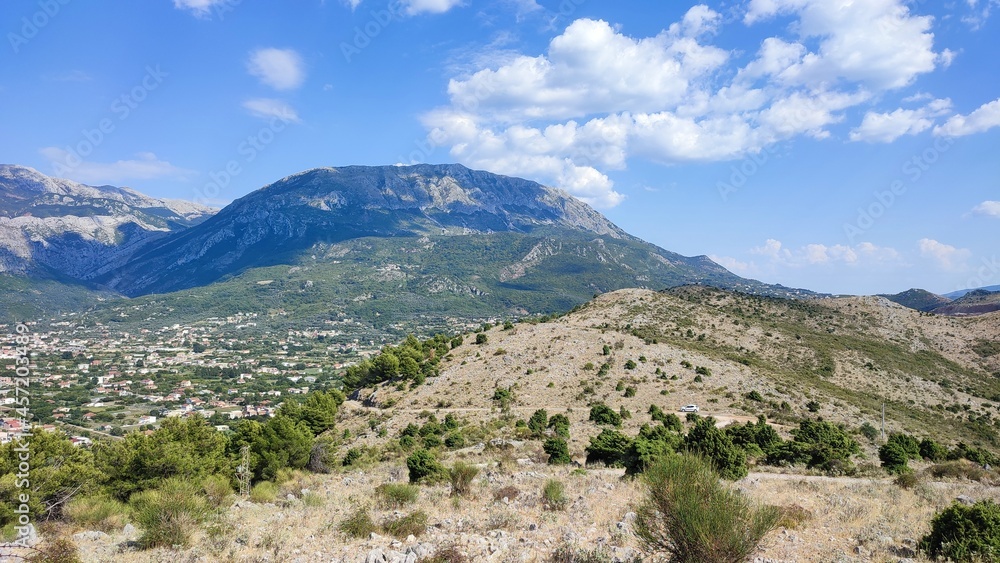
[[842, 146]]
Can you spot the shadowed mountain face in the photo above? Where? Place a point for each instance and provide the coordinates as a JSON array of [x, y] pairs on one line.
[[918, 299]]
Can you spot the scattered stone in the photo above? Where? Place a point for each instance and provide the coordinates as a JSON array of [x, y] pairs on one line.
[[966, 500], [89, 536], [129, 531]]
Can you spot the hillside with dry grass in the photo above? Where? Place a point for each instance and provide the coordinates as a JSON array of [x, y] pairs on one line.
[[735, 356]]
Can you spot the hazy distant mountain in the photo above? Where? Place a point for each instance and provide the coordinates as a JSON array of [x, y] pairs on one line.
[[962, 292], [919, 299], [57, 228], [975, 302]]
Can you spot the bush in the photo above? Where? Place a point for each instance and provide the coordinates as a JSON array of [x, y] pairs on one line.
[[359, 524], [559, 424], [98, 512], [650, 444], [893, 457], [717, 448], [755, 396], [818, 444], [932, 451], [813, 406], [957, 469], [265, 491], [965, 533], [603, 414], [414, 524], [424, 467], [538, 421], [461, 476], [630, 391], [557, 450], [59, 550], [554, 495], [869, 431], [481, 339], [689, 515], [454, 440], [609, 447], [395, 495], [906, 480], [218, 490], [169, 514]]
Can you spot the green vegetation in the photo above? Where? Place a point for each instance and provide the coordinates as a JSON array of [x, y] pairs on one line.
[[557, 450], [605, 415], [690, 516], [396, 495], [424, 467], [554, 495], [965, 533], [461, 475]]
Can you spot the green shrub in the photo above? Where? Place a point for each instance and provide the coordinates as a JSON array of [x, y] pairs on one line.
[[650, 444], [813, 406], [265, 491], [818, 444], [906, 480], [538, 421], [481, 339], [217, 489], [630, 364], [965, 533], [557, 450], [454, 440], [609, 447], [424, 467], [554, 495], [932, 451], [461, 475], [359, 524], [717, 448], [689, 515], [97, 512], [396, 495], [755, 396], [630, 391], [957, 469], [414, 524], [869, 431], [603, 414], [169, 514], [559, 424], [893, 457]]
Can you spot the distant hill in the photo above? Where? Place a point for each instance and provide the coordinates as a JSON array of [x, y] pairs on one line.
[[398, 247], [59, 229], [962, 292], [918, 299], [975, 302]]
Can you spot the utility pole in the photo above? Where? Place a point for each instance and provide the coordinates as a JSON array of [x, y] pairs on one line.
[[243, 474], [883, 421]]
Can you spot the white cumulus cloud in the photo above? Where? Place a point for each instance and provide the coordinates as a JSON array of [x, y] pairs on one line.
[[281, 69], [988, 208], [946, 257], [597, 98], [887, 127], [986, 117]]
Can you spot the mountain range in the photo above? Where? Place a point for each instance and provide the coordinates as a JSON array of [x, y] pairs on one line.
[[357, 240], [386, 244], [961, 303]]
